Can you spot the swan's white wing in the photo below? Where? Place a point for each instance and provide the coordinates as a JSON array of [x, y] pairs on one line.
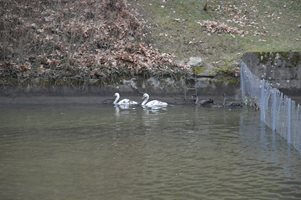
[[133, 103], [127, 102], [123, 106], [123, 101], [156, 103]]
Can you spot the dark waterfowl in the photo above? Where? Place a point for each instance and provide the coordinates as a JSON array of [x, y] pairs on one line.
[[231, 105], [210, 103], [204, 102]]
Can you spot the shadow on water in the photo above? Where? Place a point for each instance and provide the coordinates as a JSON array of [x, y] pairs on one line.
[[183, 152]]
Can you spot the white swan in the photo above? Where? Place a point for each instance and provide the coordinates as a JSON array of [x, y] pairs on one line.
[[154, 104], [123, 102]]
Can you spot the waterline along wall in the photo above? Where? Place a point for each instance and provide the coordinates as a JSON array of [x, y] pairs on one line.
[[277, 111]]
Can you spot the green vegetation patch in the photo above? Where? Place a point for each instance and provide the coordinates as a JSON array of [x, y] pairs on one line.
[[268, 26]]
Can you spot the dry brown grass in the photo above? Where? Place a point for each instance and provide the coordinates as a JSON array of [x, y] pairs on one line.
[[90, 39]]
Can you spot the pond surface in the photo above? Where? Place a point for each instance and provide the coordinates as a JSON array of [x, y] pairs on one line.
[[96, 152]]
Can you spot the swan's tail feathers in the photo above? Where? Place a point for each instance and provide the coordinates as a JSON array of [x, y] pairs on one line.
[[164, 104]]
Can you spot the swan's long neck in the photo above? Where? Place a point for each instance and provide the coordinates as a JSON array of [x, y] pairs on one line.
[[116, 99], [145, 100]]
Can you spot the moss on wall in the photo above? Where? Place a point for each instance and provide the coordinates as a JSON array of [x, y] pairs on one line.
[[292, 58]]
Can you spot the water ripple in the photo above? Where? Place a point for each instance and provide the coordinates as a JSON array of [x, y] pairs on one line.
[[181, 153]]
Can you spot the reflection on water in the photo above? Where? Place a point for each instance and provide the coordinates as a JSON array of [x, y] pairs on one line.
[[92, 152]]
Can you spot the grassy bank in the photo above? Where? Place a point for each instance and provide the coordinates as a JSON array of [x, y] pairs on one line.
[[176, 27]]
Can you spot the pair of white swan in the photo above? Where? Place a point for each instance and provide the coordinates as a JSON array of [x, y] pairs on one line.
[[154, 104]]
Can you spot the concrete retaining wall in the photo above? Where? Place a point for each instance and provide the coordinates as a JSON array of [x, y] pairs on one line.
[[281, 69]]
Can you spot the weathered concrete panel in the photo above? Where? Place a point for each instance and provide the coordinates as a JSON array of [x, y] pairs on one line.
[[281, 69]]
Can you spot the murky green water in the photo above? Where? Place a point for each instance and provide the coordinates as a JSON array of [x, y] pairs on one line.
[[92, 152]]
